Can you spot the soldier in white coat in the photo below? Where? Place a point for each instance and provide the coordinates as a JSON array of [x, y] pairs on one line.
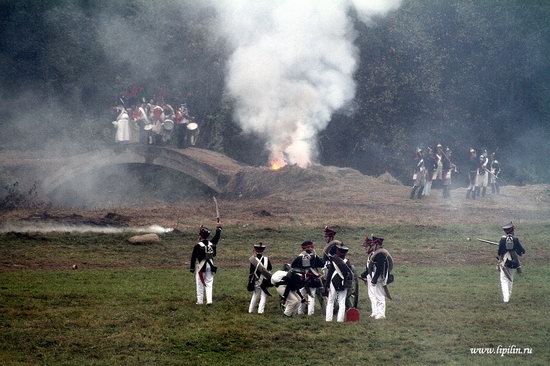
[[122, 125]]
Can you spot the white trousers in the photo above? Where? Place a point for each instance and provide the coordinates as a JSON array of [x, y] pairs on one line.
[[333, 296], [310, 301], [482, 180], [506, 284], [257, 294], [292, 302], [377, 297], [207, 287]]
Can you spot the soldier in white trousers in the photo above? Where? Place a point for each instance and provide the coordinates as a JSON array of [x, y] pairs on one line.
[[509, 249], [202, 263], [377, 275], [338, 278], [256, 280]]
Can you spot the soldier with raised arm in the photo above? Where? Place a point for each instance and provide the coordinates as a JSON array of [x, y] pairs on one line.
[[202, 263]]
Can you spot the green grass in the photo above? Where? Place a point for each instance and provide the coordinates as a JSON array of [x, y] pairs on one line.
[[132, 311]]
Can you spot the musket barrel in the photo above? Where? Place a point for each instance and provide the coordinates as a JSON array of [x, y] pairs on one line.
[[487, 241]]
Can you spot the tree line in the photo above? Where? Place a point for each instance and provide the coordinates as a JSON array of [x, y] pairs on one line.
[[460, 73]]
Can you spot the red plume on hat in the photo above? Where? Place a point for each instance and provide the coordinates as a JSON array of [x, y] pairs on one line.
[[308, 244]]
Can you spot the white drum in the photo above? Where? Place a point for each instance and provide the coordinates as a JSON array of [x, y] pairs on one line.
[[148, 127], [168, 125], [192, 126]]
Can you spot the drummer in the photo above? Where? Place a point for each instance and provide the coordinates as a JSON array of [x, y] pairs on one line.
[[157, 118], [181, 119]]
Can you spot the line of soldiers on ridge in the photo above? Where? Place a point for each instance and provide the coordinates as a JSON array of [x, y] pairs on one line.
[[436, 165], [154, 124], [328, 278]]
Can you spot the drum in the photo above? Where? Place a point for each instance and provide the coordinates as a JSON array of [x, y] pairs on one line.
[[148, 127], [168, 125], [192, 126]]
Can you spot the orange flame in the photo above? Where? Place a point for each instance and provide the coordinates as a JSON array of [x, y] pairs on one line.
[[277, 164]]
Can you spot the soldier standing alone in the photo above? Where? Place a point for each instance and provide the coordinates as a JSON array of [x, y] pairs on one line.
[[509, 248], [202, 263]]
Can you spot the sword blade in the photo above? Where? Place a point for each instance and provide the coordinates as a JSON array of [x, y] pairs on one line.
[[217, 209]]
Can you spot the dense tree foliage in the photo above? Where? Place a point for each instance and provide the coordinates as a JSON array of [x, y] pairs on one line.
[[461, 73]]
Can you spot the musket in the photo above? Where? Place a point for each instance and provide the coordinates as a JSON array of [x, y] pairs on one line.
[[500, 263], [487, 241], [217, 209], [488, 171]]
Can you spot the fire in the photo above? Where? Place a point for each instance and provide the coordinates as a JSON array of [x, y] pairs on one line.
[[277, 164]]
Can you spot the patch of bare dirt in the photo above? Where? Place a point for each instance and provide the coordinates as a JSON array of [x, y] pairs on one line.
[[326, 195]]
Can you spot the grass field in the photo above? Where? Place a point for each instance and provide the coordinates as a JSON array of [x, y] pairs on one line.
[[136, 304]]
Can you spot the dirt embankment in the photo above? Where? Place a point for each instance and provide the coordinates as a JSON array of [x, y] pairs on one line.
[[328, 195]]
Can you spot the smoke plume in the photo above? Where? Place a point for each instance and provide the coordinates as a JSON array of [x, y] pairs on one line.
[[292, 67]]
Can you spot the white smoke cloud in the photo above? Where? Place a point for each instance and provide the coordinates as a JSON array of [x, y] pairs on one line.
[[292, 66], [43, 227]]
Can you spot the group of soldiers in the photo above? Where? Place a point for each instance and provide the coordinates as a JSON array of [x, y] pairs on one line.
[[328, 278], [432, 166], [436, 167], [154, 124], [482, 171]]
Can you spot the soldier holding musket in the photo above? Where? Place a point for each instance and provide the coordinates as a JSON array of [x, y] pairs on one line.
[[339, 280], [509, 248], [258, 279], [377, 275]]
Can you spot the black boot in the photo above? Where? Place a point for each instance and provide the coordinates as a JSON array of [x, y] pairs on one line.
[[498, 188], [419, 195], [477, 192], [483, 191]]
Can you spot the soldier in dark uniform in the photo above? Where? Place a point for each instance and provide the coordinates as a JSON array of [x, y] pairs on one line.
[[509, 248], [329, 234], [339, 281], [289, 288], [472, 172], [257, 280], [377, 275], [202, 263], [312, 265], [430, 162]]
